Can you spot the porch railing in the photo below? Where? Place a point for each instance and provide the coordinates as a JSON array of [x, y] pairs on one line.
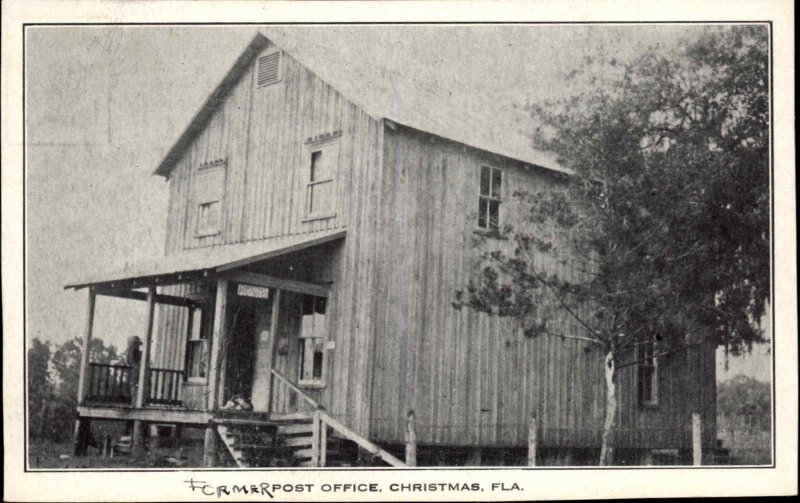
[[110, 383], [165, 387]]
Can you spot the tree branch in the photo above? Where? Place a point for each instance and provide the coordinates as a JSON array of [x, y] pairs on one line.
[[682, 347], [558, 297]]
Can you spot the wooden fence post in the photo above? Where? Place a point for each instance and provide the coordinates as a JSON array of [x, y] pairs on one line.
[[532, 441], [697, 436], [411, 440]]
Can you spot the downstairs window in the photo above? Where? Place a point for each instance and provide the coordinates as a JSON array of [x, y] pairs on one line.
[[313, 331], [648, 373], [199, 329]]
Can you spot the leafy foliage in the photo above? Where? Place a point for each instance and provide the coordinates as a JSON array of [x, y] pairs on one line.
[[67, 362], [664, 218], [52, 396], [40, 386], [745, 401], [666, 214]]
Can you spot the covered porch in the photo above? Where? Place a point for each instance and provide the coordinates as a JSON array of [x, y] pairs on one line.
[[240, 305]]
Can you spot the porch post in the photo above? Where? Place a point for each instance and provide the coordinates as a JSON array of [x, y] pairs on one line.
[[273, 340], [144, 364], [81, 431], [216, 374], [137, 439], [87, 339], [210, 446]]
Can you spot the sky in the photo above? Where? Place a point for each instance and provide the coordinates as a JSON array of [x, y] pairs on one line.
[[104, 104]]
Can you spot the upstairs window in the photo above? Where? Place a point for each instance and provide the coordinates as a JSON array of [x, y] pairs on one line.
[[320, 196], [209, 197], [269, 69], [313, 331], [648, 373], [490, 198]]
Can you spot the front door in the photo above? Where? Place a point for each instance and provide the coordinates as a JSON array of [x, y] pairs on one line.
[[239, 364], [250, 317], [263, 359]]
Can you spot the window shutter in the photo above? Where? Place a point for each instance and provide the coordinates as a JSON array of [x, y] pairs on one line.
[[269, 69], [210, 185]]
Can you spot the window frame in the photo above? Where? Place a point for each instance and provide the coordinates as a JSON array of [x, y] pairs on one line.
[[642, 350], [488, 198], [320, 335], [202, 197], [205, 321], [327, 148]]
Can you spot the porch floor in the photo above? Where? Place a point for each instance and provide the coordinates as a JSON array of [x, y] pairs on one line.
[[178, 414]]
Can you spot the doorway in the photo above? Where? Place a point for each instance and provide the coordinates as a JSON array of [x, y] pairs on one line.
[[296, 349], [250, 317]]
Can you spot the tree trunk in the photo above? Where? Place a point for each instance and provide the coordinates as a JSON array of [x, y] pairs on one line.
[[606, 449]]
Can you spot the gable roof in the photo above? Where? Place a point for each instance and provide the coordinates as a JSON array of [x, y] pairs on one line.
[[382, 93]]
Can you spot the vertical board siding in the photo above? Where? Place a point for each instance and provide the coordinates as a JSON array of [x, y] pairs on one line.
[[261, 133], [474, 379], [408, 203]]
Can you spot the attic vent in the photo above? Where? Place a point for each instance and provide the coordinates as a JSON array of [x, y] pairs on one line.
[[269, 69]]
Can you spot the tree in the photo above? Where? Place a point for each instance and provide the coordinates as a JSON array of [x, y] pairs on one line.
[[67, 362], [665, 213], [746, 401], [40, 385]]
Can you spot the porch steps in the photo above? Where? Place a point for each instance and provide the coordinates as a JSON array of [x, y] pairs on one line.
[[295, 429], [258, 442]]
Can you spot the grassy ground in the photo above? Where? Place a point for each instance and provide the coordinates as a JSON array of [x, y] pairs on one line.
[[49, 455], [747, 445]]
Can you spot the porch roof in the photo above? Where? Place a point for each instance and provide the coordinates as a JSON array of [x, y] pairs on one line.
[[207, 260]]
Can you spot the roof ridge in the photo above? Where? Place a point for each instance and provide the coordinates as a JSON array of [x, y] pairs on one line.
[[427, 106]]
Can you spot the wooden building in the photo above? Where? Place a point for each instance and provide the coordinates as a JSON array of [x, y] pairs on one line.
[[319, 224]]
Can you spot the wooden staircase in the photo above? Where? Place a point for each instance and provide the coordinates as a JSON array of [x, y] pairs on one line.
[[261, 442], [297, 439]]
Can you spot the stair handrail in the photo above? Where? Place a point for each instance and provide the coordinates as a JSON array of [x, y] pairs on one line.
[[300, 392], [361, 441], [339, 427]]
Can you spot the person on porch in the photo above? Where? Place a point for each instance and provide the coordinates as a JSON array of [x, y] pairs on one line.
[[133, 355], [132, 358]]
